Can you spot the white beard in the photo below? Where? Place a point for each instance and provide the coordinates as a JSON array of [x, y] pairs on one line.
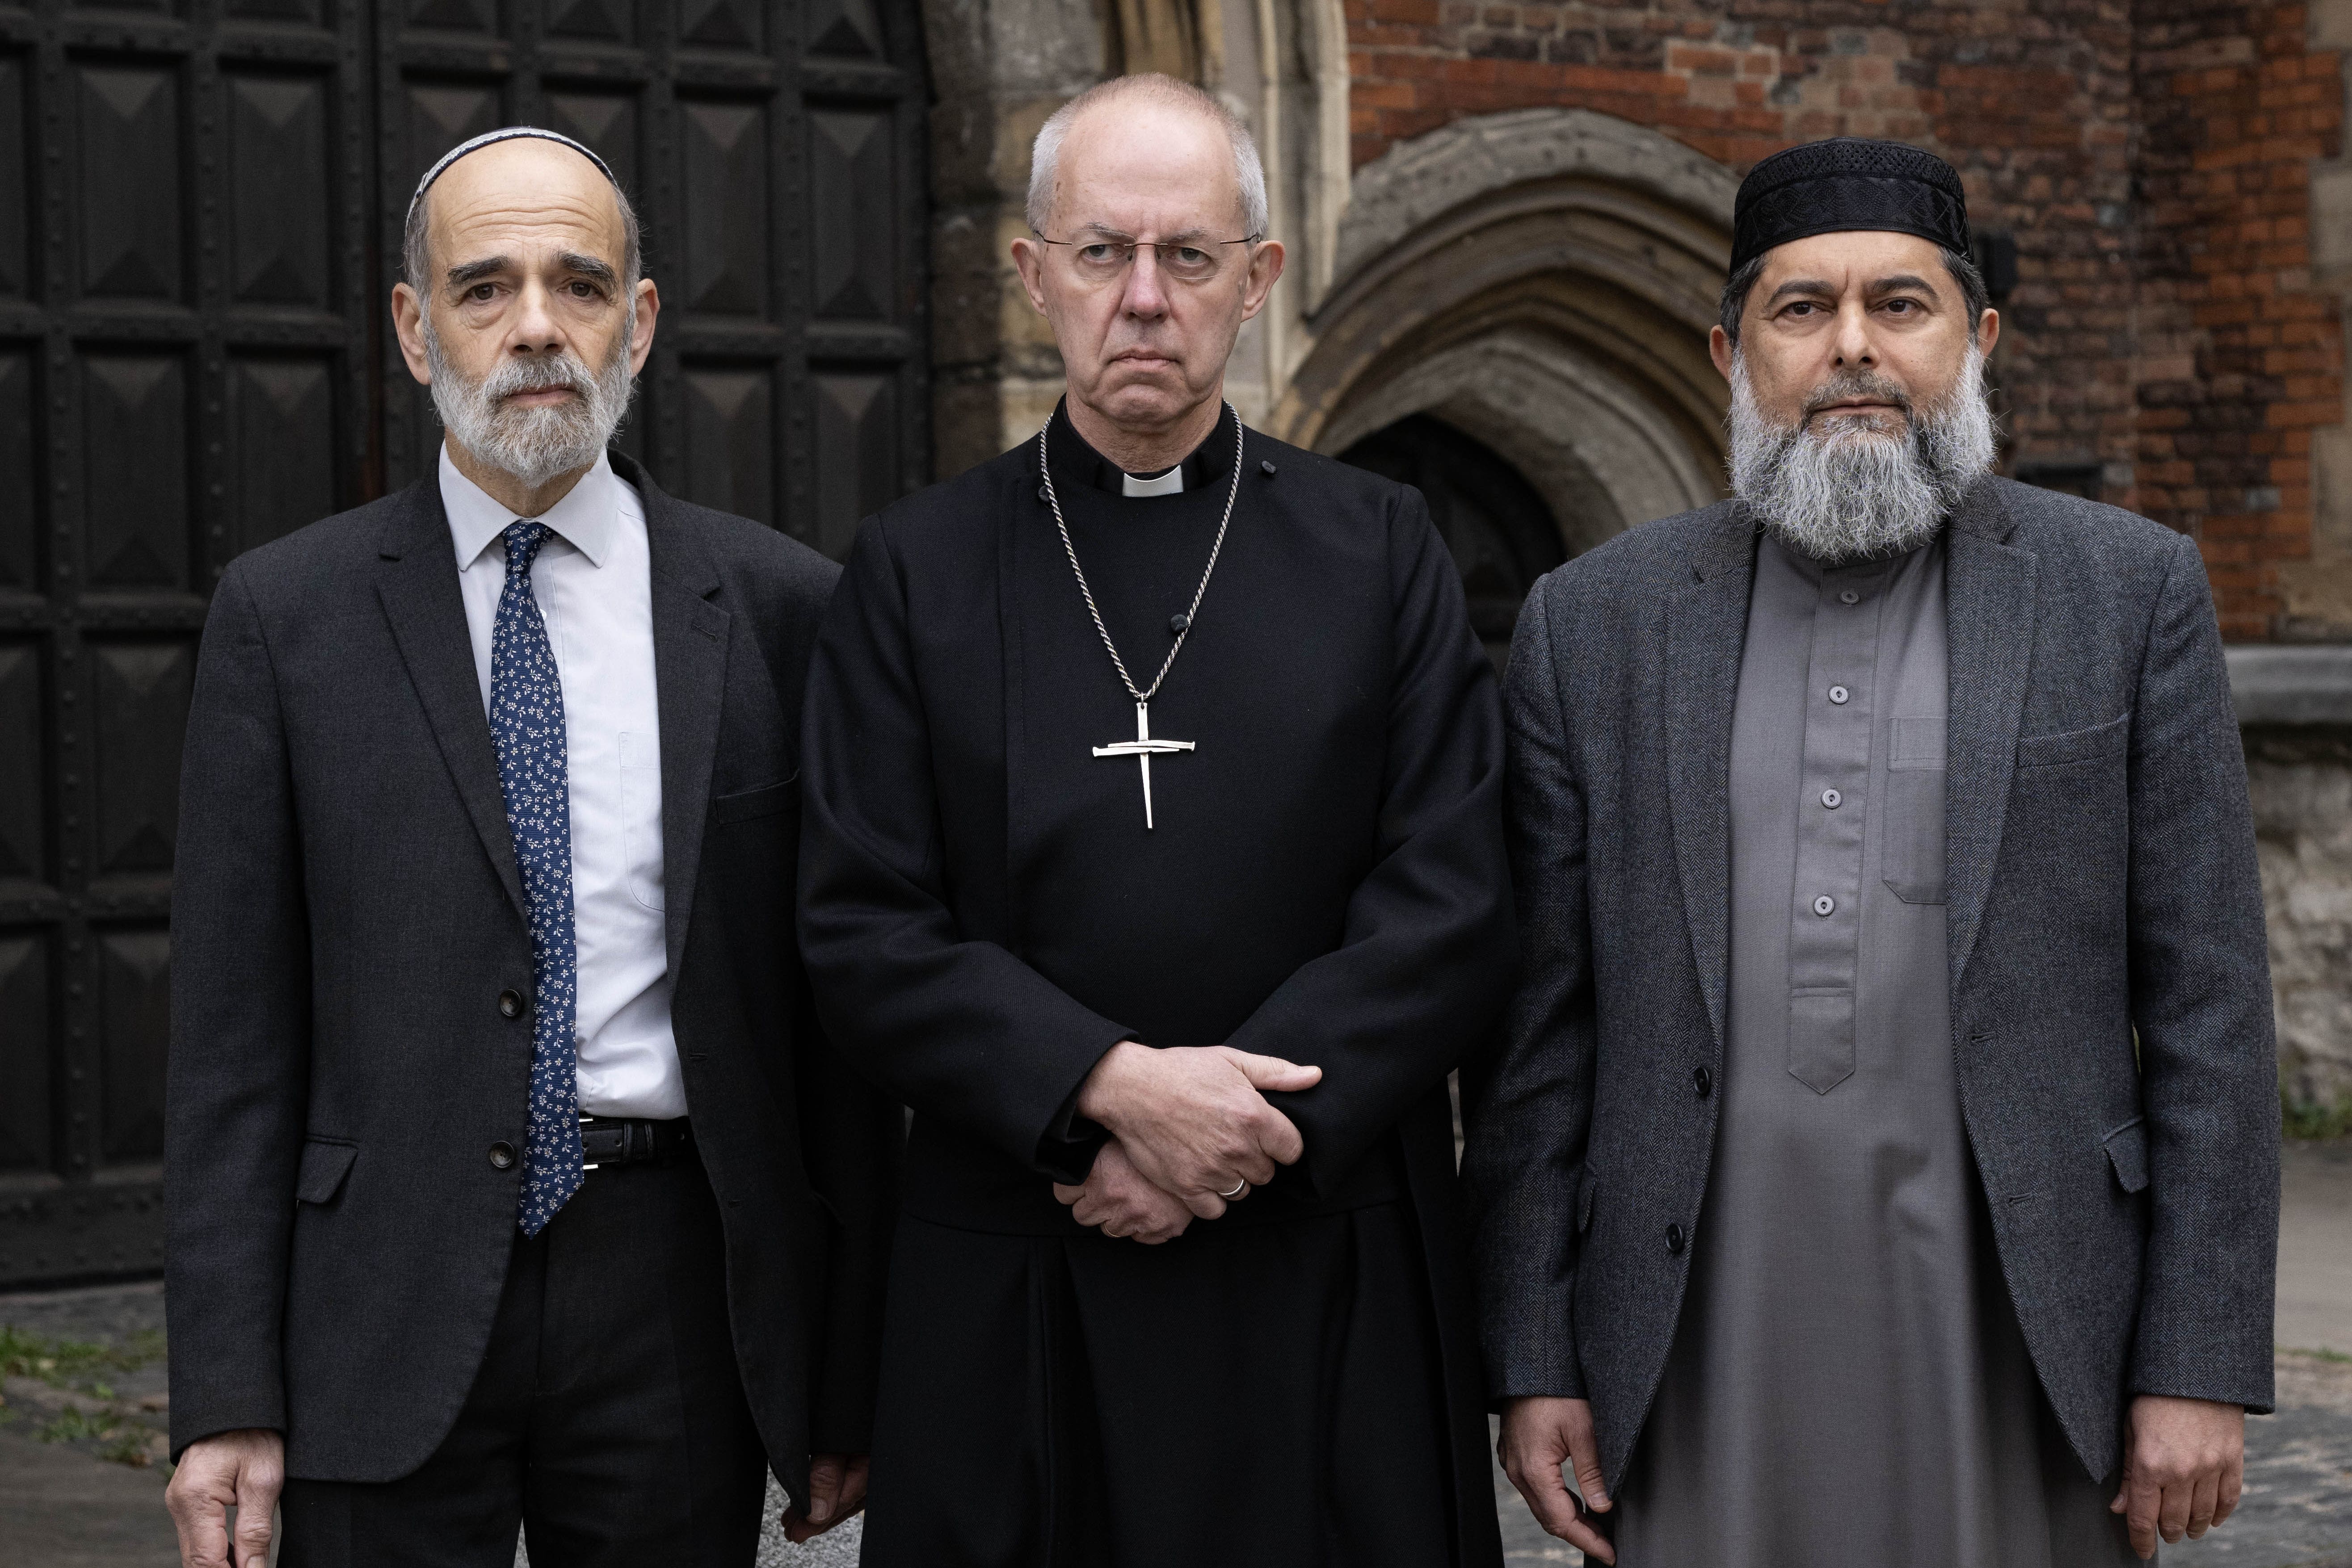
[[1836, 489], [535, 445]]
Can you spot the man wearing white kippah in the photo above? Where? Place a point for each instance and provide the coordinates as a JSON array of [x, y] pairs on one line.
[[511, 1183]]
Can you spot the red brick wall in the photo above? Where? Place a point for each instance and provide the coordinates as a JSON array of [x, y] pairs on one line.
[[2150, 158], [2240, 358]]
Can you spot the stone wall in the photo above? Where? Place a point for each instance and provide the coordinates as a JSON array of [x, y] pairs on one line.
[[2301, 787]]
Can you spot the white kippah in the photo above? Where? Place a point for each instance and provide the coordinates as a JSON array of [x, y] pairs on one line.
[[507, 134]]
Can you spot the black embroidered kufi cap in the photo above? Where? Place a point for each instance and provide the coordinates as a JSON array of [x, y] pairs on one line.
[[1844, 184]]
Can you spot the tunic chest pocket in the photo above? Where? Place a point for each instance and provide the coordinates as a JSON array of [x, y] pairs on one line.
[[641, 815], [1915, 811]]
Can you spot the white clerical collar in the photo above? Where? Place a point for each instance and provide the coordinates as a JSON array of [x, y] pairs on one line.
[[586, 517], [1170, 483]]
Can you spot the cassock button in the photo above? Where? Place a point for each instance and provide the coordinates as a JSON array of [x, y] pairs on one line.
[[1675, 1240], [502, 1155], [509, 1004], [1265, 466], [1180, 623], [1703, 1081]]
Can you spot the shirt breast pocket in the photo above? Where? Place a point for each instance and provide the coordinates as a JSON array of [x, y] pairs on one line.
[[1915, 811], [641, 842]]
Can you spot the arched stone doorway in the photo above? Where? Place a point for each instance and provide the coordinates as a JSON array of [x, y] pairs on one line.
[[1541, 283], [1499, 527]]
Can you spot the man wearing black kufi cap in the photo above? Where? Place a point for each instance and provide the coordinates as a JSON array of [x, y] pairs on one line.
[[511, 1184], [1881, 1165]]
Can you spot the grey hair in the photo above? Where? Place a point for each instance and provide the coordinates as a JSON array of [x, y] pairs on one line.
[[1046, 155], [416, 252], [1973, 292]]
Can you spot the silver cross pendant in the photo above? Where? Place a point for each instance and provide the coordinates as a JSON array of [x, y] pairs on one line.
[[1142, 748]]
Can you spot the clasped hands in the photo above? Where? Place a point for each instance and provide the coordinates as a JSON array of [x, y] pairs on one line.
[[1187, 1123]]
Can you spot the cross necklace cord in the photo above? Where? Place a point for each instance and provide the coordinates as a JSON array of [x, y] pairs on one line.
[[1143, 748]]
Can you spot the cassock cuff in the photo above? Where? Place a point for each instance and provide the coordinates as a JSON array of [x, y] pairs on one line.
[[1068, 1148]]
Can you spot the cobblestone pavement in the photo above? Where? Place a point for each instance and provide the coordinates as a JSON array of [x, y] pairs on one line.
[[81, 1480]]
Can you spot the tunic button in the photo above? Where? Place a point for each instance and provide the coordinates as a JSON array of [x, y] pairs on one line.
[[1831, 799], [1824, 905], [1703, 1081], [1838, 694], [509, 1004], [1041, 495], [502, 1155], [1180, 623], [1849, 597], [1267, 466], [1675, 1240]]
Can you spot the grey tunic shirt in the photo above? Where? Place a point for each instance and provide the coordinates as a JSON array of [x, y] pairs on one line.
[[1848, 1384]]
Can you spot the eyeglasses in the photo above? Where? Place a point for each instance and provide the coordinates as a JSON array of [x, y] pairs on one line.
[[1187, 261]]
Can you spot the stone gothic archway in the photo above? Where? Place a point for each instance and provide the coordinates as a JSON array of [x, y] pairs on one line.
[[1543, 281]]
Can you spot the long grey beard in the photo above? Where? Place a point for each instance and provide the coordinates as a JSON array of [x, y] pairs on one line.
[[1835, 489], [535, 445]]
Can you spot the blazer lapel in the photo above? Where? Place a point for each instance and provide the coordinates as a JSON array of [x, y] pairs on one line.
[[418, 588], [1707, 627], [690, 635], [1989, 588]]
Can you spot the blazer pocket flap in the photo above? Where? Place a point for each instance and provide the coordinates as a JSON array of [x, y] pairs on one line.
[[1584, 1201], [765, 801], [324, 1166], [2074, 745], [2127, 1151]]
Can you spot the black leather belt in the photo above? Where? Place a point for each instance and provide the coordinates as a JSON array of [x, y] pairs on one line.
[[607, 1141]]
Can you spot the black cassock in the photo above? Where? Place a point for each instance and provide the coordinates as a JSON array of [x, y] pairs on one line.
[[985, 913]]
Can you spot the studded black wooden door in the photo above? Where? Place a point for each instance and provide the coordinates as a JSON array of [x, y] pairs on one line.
[[200, 204]]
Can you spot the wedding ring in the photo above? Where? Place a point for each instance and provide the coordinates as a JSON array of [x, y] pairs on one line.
[[1239, 1188]]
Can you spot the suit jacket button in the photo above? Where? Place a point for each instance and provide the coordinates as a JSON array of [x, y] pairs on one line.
[[502, 1155], [1703, 1081], [1675, 1240], [509, 1004]]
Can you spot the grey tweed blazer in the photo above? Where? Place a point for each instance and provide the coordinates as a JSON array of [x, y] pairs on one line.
[[2110, 984]]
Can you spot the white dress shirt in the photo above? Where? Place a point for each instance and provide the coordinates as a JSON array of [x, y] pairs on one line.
[[593, 582]]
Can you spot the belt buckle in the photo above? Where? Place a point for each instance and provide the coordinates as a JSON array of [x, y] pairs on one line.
[[587, 1165]]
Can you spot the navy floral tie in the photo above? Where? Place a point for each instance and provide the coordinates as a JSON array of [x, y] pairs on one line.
[[527, 727]]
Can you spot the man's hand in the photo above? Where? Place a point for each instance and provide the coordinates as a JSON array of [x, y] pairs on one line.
[[246, 1470], [836, 1491], [1192, 1119], [2184, 1461], [1117, 1198], [1540, 1434]]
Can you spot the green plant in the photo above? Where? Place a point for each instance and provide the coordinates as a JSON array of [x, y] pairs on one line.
[[2300, 1117], [128, 1446], [72, 1425], [63, 1363]]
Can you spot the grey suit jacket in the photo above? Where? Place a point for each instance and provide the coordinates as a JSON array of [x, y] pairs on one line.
[[2110, 986], [346, 910]]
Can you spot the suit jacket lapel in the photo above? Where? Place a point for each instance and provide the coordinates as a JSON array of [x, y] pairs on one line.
[[418, 588], [690, 635], [1707, 626], [1989, 588]]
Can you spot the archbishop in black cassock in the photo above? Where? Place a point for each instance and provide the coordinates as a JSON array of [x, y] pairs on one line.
[[984, 914]]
